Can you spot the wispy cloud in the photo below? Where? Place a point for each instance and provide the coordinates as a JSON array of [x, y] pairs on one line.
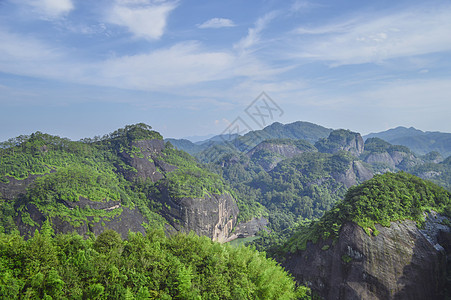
[[181, 64], [375, 39], [303, 6], [217, 23], [143, 18], [254, 34], [48, 9]]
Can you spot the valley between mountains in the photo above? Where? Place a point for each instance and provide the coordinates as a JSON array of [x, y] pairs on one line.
[[329, 214]]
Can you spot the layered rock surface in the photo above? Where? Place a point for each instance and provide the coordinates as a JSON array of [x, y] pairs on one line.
[[401, 262]]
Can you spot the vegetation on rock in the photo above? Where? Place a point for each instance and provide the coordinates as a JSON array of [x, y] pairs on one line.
[[380, 200]]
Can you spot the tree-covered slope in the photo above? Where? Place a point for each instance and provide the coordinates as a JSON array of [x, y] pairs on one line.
[[142, 267], [300, 187], [124, 180], [380, 200]]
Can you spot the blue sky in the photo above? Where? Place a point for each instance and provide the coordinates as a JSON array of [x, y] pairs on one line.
[[78, 68]]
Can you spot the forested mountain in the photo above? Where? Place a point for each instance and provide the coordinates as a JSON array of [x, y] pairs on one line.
[[388, 239], [129, 179], [291, 181], [295, 131], [267, 185], [418, 141]]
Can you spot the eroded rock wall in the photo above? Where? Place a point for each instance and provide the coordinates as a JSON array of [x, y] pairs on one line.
[[401, 262]]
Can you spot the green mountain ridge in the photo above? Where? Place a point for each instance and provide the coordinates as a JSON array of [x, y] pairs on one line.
[[132, 171], [418, 141]]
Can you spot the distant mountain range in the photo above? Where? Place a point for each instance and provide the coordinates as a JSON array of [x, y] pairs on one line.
[[297, 131], [418, 141]]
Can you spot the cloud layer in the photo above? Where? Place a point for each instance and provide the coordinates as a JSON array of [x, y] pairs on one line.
[[49, 9], [217, 23], [379, 38], [144, 19]]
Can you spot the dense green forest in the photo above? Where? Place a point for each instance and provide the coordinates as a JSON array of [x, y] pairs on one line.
[[153, 266], [296, 191]]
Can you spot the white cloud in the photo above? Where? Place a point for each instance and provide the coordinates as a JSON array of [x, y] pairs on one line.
[[181, 64], [144, 18], [17, 51], [375, 39], [253, 35], [217, 23], [180, 68], [49, 9]]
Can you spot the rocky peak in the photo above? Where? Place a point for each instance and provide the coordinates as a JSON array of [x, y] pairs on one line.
[[341, 140]]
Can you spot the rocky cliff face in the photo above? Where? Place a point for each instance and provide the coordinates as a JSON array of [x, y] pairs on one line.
[[402, 262], [126, 219], [143, 161], [286, 151], [342, 140], [393, 159], [249, 228], [212, 215], [269, 153], [356, 173]]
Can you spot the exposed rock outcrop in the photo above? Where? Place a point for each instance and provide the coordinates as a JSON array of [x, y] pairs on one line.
[[127, 219], [356, 173], [401, 262], [212, 215], [249, 228], [269, 153], [283, 150], [342, 140], [143, 161]]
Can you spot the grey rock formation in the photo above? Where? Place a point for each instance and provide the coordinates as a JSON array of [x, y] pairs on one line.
[[342, 140], [249, 228], [127, 219], [212, 215], [401, 262], [356, 173]]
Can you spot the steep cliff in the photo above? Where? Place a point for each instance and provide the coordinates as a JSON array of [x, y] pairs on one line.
[[212, 215], [341, 140], [354, 174], [385, 157], [390, 238], [399, 263]]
